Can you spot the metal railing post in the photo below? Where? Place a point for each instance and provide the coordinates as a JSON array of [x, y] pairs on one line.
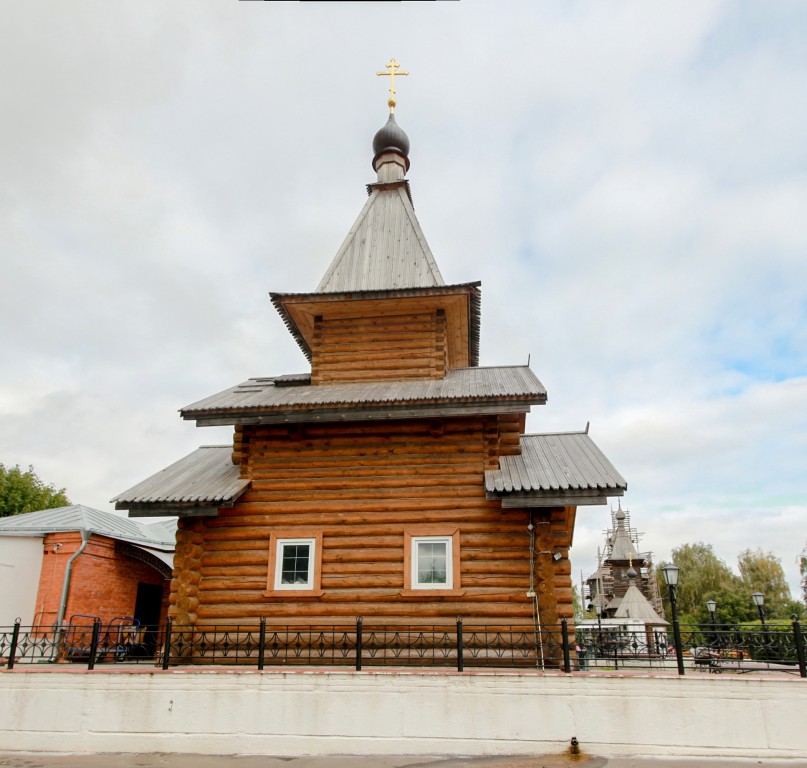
[[262, 643], [800, 655], [359, 622], [460, 660], [12, 651], [167, 644], [96, 632], [564, 633]]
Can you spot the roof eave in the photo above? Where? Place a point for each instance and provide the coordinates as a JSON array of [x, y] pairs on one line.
[[162, 509], [556, 498], [336, 412]]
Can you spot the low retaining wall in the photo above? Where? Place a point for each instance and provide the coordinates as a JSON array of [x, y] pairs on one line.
[[321, 712]]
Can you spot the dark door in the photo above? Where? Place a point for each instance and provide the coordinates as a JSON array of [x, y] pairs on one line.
[[147, 611]]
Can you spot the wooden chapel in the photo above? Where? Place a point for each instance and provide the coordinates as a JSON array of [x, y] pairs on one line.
[[393, 479]]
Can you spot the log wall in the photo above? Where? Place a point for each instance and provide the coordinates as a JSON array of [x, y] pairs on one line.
[[403, 346], [364, 486]]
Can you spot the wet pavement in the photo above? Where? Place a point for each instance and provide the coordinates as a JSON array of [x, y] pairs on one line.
[[160, 760]]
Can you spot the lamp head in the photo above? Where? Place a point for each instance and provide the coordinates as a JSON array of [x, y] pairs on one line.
[[670, 572], [759, 599], [711, 606]]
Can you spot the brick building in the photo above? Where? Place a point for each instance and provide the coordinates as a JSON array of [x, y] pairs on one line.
[[61, 562]]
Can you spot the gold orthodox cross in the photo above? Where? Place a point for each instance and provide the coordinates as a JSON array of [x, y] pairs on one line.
[[392, 71]]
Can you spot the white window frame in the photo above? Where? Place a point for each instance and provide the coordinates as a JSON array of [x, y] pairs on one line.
[[448, 542], [312, 557]]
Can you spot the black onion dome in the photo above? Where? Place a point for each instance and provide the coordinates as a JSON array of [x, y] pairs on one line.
[[391, 138]]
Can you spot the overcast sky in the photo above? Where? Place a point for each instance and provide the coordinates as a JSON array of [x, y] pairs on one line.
[[627, 179]]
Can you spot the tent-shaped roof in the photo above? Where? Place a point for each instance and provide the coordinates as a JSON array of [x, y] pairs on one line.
[[385, 248], [622, 547], [80, 518], [634, 605]]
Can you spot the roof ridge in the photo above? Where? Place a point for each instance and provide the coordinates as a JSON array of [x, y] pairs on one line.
[[548, 434]]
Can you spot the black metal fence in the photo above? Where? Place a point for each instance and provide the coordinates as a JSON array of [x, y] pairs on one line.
[[360, 644]]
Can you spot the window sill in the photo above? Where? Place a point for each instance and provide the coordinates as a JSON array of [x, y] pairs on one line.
[[432, 592], [293, 594]]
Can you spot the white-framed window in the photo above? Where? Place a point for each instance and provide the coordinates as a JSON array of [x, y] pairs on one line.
[[294, 564], [432, 562]]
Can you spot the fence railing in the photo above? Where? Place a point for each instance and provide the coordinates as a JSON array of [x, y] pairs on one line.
[[460, 645]]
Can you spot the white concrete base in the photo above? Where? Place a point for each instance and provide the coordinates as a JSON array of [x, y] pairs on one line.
[[317, 712]]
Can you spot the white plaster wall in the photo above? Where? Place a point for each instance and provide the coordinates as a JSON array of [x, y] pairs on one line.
[[342, 712], [20, 566]]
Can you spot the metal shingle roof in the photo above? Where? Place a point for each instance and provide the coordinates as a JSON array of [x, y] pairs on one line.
[[558, 462], [80, 518], [206, 476], [459, 385]]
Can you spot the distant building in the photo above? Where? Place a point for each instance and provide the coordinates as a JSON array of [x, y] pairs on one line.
[[624, 584]]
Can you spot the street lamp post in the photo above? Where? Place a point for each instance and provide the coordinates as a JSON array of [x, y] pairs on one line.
[[598, 610], [711, 606], [759, 601], [671, 573]]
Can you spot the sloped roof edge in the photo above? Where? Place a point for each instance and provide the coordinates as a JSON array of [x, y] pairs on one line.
[[78, 517]]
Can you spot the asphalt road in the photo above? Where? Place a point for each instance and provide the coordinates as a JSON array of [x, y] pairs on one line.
[[131, 760]]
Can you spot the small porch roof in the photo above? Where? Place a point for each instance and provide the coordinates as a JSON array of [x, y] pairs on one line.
[[198, 484], [555, 469]]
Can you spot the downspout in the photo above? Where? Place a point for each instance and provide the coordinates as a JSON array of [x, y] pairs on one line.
[[85, 538]]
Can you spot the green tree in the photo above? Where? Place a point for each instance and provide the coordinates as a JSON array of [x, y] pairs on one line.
[[703, 576], [577, 604], [25, 492], [762, 572]]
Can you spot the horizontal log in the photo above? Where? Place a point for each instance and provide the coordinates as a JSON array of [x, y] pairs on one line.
[[358, 477], [236, 571], [403, 361], [404, 493], [363, 507], [313, 611], [235, 558], [451, 512], [457, 424], [347, 484], [508, 521]]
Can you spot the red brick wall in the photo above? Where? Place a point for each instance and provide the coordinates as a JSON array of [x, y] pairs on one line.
[[103, 583]]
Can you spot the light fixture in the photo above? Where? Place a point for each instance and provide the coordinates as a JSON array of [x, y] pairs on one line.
[[759, 599], [670, 573], [711, 606]]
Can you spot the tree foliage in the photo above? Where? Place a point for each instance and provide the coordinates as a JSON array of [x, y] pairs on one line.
[[704, 576], [803, 570], [762, 572], [22, 491]]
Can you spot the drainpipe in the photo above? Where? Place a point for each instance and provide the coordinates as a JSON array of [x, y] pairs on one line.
[[85, 538]]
